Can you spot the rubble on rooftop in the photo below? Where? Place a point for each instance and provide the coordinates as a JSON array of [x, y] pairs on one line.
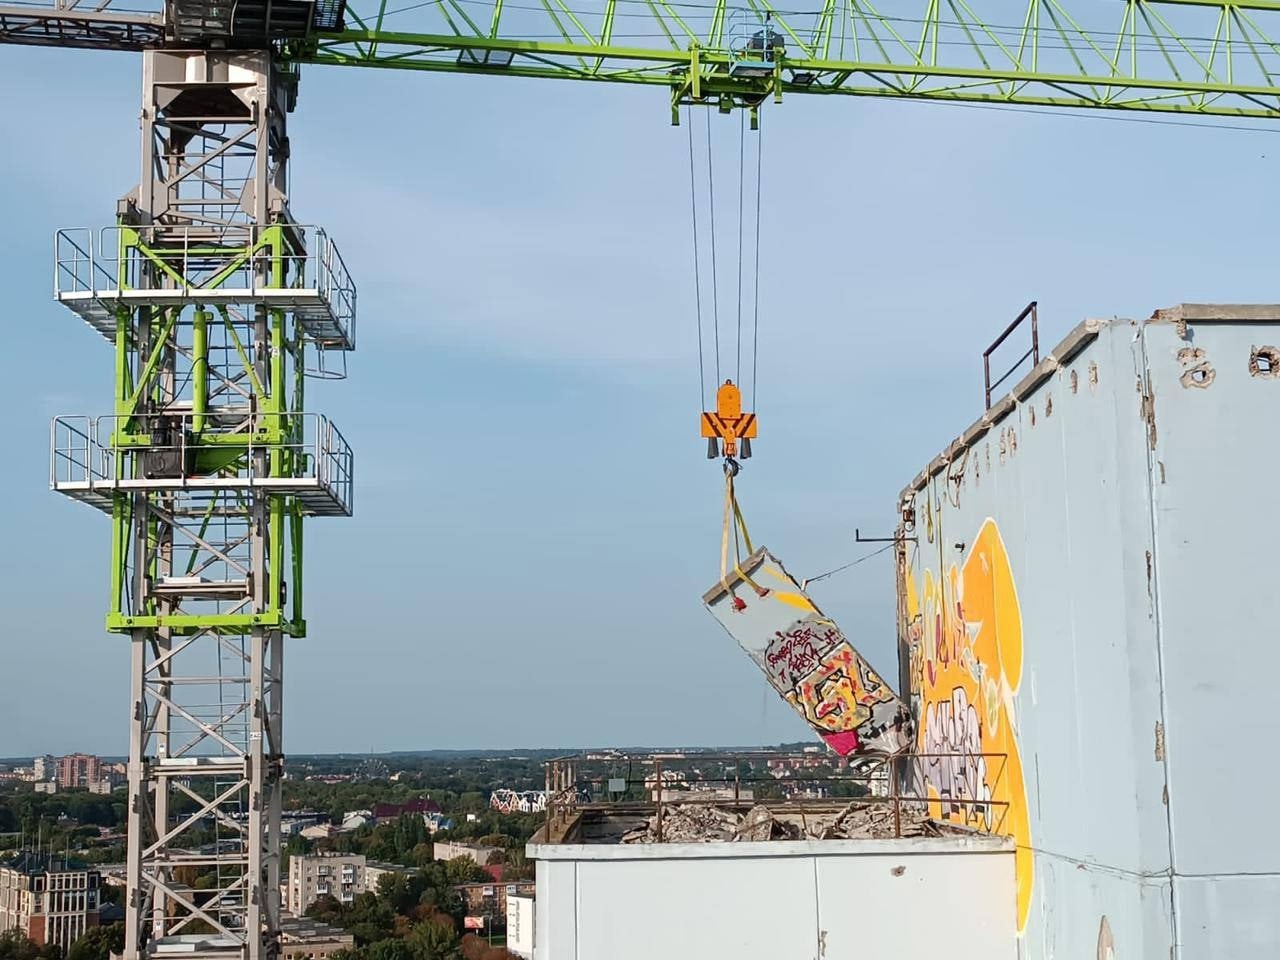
[[859, 820]]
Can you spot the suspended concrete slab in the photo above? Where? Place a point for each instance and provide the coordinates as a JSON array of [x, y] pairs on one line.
[[808, 660]]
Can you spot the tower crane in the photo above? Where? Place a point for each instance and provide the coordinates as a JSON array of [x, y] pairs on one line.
[[219, 304]]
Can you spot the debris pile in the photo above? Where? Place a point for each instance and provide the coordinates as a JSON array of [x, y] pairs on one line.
[[859, 820]]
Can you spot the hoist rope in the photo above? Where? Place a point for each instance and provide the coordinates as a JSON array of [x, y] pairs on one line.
[[697, 279], [715, 273], [742, 161], [755, 299], [715, 265]]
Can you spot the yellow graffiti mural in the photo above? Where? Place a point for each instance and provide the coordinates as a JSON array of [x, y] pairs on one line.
[[965, 635]]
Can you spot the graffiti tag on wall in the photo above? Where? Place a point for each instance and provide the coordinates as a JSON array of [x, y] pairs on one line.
[[965, 642], [811, 664]]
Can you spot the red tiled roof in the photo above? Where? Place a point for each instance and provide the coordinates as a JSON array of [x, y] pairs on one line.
[[385, 811]]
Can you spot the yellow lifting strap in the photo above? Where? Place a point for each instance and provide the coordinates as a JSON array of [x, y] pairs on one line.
[[733, 523]]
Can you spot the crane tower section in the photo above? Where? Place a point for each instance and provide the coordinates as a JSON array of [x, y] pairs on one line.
[[219, 306]]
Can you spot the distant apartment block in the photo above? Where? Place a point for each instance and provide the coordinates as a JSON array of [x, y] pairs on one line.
[[44, 768], [337, 875], [452, 851], [79, 770], [108, 783], [375, 870], [47, 900], [489, 900]]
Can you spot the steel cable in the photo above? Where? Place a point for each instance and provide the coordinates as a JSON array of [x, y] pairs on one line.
[[755, 297], [742, 166], [697, 277], [715, 272]]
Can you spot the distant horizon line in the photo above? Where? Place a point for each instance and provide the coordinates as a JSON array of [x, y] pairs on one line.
[[472, 751]]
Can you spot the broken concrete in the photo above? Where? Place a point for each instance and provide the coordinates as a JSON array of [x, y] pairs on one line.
[[858, 820]]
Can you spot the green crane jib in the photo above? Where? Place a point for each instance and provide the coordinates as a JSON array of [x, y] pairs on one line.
[[1205, 57]]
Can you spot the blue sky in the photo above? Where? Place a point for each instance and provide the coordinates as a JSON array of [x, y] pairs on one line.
[[535, 520]]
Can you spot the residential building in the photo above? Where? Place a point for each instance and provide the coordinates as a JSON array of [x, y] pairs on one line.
[[451, 851], [375, 870], [79, 770], [355, 819], [436, 822], [489, 900], [518, 801], [302, 939], [315, 875], [108, 783], [49, 900], [44, 768], [295, 821], [46, 786]]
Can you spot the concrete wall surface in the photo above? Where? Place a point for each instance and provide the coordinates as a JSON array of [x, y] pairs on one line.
[[1088, 629], [801, 900]]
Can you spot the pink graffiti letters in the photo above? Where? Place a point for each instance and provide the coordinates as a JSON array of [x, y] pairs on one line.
[[797, 652]]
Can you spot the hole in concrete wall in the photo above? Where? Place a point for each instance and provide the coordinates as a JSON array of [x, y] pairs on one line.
[[1264, 362], [1197, 371], [1048, 401], [1075, 381], [1199, 376]]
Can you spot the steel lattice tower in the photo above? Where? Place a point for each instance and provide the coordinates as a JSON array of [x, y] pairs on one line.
[[219, 306]]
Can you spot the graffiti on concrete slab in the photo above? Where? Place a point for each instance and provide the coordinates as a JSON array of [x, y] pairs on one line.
[[964, 635], [796, 652], [810, 662]]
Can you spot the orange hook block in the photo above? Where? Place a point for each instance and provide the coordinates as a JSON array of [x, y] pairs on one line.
[[727, 424]]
